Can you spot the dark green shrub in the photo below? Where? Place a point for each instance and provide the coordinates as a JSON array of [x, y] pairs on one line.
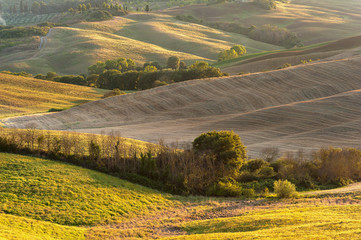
[[226, 146]]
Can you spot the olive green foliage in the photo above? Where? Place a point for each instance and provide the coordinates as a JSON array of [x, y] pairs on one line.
[[99, 15], [173, 62], [275, 35], [266, 4], [19, 32], [227, 187], [123, 74], [284, 189], [226, 146], [114, 92], [233, 52]]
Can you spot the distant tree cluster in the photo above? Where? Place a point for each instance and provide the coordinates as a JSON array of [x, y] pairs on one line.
[[275, 35], [123, 74], [19, 32], [266, 4], [233, 52]]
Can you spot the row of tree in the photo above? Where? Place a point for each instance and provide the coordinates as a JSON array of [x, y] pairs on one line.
[[216, 164], [123, 74]]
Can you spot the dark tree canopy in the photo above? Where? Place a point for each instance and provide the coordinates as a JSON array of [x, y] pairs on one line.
[[227, 148]]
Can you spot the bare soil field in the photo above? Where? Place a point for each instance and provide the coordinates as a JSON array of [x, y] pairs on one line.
[[307, 106], [275, 60]]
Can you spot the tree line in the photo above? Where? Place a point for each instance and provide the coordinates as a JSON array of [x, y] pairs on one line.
[[123, 74], [216, 164]]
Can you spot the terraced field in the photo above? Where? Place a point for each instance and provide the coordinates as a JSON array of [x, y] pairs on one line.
[[309, 106], [21, 95]]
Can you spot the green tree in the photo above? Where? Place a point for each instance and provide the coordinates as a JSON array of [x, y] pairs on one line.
[[147, 8], [35, 8], [240, 50], [97, 68], [226, 147], [173, 62]]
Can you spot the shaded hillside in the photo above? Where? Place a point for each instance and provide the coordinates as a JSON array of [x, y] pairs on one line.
[[22, 95], [306, 106]]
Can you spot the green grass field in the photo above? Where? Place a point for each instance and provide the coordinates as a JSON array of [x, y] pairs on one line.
[[22, 95], [43, 199]]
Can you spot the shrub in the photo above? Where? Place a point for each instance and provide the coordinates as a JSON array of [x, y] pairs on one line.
[[248, 193], [114, 92], [225, 187], [284, 189], [99, 15]]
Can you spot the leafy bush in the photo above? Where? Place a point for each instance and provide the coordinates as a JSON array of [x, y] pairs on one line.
[[233, 52], [225, 187], [284, 189], [114, 92], [248, 192]]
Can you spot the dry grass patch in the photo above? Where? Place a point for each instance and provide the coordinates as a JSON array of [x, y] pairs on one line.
[[21, 95]]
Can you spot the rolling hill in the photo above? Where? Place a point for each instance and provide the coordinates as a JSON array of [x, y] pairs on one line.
[[313, 21], [307, 106], [43, 199], [23, 95], [346, 47], [141, 37]]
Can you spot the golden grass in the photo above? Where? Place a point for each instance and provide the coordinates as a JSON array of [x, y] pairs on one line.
[[322, 222], [21, 95]]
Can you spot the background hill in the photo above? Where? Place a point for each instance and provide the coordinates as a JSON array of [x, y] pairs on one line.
[[141, 37], [313, 21], [23, 95], [307, 106]]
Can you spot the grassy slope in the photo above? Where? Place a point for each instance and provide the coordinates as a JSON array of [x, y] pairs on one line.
[[142, 37], [42, 199], [68, 195], [21, 95], [322, 222]]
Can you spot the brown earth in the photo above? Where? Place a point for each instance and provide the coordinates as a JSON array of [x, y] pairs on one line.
[[307, 107], [275, 60]]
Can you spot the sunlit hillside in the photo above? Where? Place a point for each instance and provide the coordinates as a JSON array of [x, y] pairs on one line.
[[141, 37], [22, 95], [313, 21]]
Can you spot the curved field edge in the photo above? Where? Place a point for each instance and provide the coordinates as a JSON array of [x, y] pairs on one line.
[[65, 194], [24, 95]]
